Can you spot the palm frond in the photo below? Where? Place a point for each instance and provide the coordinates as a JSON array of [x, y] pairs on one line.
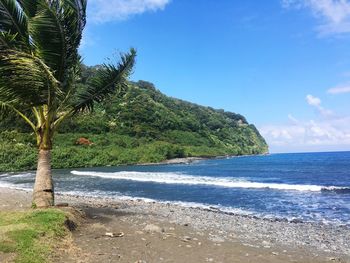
[[8, 106], [29, 7], [48, 36], [56, 30], [7, 40], [74, 16], [13, 20], [5, 107], [109, 79], [25, 79], [74, 20]]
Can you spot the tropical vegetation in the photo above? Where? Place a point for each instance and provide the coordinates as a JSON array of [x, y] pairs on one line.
[[39, 68], [138, 125]]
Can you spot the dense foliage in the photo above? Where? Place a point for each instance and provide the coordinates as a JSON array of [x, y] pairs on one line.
[[137, 125]]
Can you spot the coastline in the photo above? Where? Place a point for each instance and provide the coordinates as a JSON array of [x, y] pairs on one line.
[[185, 160], [189, 160], [225, 235]]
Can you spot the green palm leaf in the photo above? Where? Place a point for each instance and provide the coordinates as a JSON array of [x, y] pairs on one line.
[[39, 62], [13, 20], [6, 107], [109, 79], [25, 79], [56, 30], [7, 40], [29, 7], [49, 37]]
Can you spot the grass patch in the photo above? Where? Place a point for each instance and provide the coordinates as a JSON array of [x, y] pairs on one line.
[[31, 234]]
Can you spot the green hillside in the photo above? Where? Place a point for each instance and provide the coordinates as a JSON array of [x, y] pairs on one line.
[[137, 125]]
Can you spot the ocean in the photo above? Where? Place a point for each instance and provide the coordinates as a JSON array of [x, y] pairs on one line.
[[309, 187]]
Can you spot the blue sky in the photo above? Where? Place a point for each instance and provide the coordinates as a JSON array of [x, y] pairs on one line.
[[284, 64]]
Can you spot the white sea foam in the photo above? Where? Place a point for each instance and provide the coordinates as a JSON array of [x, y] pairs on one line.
[[22, 175], [13, 186], [6, 185], [178, 178], [15, 175]]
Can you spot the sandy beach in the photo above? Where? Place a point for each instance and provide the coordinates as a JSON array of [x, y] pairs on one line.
[[159, 232]]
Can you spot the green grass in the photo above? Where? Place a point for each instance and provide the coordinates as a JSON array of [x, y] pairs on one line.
[[30, 234]]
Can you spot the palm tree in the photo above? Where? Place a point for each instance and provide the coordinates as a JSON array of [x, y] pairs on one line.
[[39, 66]]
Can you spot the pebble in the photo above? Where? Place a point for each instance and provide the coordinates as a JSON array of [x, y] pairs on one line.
[[110, 234], [217, 239], [315, 237], [153, 228]]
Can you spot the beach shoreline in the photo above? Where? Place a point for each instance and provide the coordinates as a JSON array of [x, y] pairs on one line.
[[189, 160], [230, 235]]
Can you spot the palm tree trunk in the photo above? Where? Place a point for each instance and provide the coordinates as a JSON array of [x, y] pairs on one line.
[[43, 195]]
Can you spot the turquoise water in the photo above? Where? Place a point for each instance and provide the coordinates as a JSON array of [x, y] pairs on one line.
[[307, 186]]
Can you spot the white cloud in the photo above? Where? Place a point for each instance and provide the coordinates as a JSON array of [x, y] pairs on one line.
[[308, 135], [292, 118], [340, 89], [322, 134], [334, 15], [316, 102], [313, 101], [100, 11]]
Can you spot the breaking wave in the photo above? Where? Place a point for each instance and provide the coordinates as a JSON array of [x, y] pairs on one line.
[[182, 179]]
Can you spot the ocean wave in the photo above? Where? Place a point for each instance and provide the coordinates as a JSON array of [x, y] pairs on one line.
[[6, 185], [4, 175], [16, 175], [14, 186], [178, 178], [335, 189]]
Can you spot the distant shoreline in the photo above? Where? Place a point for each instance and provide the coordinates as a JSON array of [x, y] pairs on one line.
[[185, 160], [189, 160]]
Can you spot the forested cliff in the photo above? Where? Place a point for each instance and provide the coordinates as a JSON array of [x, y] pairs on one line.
[[138, 124]]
